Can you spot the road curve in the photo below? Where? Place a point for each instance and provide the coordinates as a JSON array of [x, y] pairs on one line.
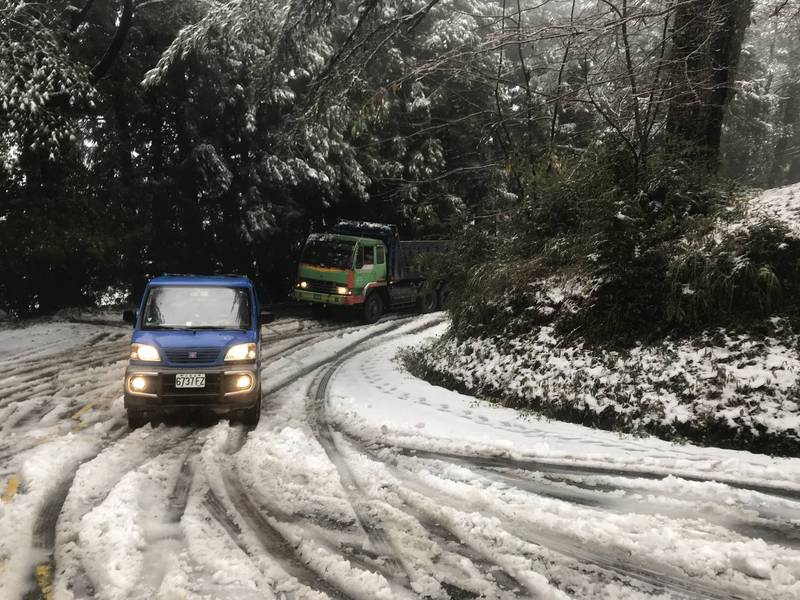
[[301, 507]]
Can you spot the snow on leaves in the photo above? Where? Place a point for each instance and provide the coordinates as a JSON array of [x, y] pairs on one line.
[[38, 81]]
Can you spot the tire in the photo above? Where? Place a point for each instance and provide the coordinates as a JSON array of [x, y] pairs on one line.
[[442, 297], [373, 308], [427, 300], [136, 419], [251, 416]]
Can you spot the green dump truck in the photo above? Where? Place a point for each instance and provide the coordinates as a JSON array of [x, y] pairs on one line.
[[366, 267]]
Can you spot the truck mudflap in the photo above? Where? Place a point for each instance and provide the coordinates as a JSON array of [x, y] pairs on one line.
[[330, 299]]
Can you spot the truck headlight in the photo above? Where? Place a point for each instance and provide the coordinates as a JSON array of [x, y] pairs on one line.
[[241, 352], [303, 284], [145, 353], [342, 291]]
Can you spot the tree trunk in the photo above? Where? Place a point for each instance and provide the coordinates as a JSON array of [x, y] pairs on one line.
[[707, 40]]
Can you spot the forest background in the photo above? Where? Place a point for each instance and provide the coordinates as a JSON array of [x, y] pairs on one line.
[[146, 136]]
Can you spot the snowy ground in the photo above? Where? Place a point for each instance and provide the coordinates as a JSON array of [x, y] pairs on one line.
[[361, 482], [781, 204]]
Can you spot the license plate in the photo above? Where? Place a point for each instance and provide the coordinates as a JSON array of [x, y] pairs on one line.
[[190, 380]]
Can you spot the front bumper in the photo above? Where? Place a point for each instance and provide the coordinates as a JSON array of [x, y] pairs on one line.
[[332, 299], [218, 396]]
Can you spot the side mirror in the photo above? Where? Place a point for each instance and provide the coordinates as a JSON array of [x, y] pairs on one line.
[[129, 316], [265, 317]]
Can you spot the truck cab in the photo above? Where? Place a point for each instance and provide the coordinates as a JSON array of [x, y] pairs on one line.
[[366, 267], [196, 346]]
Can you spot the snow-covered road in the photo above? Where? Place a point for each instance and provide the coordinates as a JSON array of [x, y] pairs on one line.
[[361, 482]]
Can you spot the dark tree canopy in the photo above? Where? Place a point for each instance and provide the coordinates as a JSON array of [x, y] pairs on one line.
[[143, 136]]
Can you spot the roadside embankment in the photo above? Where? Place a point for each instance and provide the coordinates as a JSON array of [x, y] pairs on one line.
[[720, 388]]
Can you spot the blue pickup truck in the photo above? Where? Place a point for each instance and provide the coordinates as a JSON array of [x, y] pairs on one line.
[[196, 345]]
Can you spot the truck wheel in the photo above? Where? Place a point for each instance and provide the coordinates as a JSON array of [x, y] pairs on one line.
[[373, 308], [426, 301], [251, 416], [136, 419]]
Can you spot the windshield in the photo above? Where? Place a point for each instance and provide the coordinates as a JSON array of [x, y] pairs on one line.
[[197, 307], [329, 253]]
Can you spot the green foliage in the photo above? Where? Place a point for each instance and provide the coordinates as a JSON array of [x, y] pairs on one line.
[[227, 130], [750, 273], [224, 134], [607, 259]]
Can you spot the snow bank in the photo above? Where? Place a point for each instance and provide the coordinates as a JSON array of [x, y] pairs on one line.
[[781, 204], [373, 399], [720, 387]]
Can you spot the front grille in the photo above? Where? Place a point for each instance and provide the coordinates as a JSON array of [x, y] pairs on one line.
[[322, 287], [192, 356], [213, 383]]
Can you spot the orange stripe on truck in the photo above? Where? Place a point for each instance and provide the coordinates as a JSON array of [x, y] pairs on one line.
[[322, 269]]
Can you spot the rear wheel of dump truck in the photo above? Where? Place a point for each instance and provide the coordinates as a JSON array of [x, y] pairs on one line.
[[373, 307], [426, 301], [136, 419]]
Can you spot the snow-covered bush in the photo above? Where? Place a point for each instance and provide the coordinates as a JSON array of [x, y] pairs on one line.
[[734, 275], [721, 387], [604, 241], [672, 313]]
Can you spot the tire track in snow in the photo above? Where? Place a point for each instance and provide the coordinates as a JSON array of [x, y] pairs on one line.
[[59, 391], [269, 538], [259, 523], [44, 529], [22, 363], [42, 381], [446, 538], [168, 537], [772, 531], [378, 329], [612, 563], [311, 327], [257, 519], [583, 563], [784, 532], [317, 398], [46, 522], [613, 566], [311, 336], [561, 468], [21, 360], [618, 563]]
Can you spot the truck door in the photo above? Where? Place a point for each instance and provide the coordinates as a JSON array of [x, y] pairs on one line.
[[365, 266], [401, 290]]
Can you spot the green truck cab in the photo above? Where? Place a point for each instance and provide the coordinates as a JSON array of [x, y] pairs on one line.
[[365, 266]]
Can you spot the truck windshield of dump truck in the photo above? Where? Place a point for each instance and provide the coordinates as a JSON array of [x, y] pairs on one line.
[[332, 253], [196, 307]]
